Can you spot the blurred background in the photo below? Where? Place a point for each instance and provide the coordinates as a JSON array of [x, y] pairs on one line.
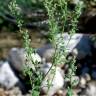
[[35, 17]]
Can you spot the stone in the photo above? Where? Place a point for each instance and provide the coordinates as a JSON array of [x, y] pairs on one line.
[[77, 44], [53, 78], [84, 79], [78, 41], [90, 89], [7, 76], [17, 58], [74, 1], [46, 52]]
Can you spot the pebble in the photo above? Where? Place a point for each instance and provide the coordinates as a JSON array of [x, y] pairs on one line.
[[15, 91], [84, 79]]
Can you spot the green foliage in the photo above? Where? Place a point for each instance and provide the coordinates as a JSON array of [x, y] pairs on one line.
[[59, 22], [59, 16], [35, 79], [69, 92]]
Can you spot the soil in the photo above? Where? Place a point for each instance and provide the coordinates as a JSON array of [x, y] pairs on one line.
[[9, 40]]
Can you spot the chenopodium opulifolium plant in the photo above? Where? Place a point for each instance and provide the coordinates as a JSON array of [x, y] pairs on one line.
[[34, 75], [58, 13], [62, 19]]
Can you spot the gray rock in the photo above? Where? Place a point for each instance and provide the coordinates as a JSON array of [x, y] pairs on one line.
[[17, 58], [54, 77], [80, 42], [7, 77], [90, 89]]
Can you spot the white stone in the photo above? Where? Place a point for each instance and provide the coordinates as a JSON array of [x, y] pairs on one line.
[[7, 77], [56, 79], [91, 89], [75, 1], [82, 83], [77, 41]]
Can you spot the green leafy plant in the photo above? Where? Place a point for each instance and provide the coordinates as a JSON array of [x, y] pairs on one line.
[[31, 72], [61, 19], [59, 16]]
